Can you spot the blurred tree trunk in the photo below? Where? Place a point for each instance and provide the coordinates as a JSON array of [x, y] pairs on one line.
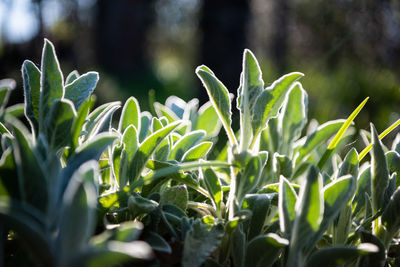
[[223, 24], [122, 27]]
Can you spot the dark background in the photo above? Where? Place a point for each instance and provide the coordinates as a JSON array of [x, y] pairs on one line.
[[347, 49]]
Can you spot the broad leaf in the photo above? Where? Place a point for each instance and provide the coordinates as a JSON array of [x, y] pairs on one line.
[[287, 202], [219, 97], [185, 143], [31, 77], [197, 152], [208, 120], [258, 204], [81, 88], [72, 76], [214, 187], [264, 250], [52, 82], [130, 115]]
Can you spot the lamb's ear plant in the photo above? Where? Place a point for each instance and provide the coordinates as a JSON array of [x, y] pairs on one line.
[[83, 187]]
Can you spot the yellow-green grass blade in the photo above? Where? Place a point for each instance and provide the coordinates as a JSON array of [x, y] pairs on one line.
[[388, 130], [335, 141]]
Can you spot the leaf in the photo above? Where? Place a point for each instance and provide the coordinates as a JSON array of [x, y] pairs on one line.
[[177, 195], [335, 141], [238, 241], [145, 121], [31, 174], [207, 120], [282, 165], [136, 252], [125, 232], [379, 172], [390, 217], [320, 135], [200, 241], [130, 115], [294, 117], [185, 143], [165, 111], [258, 204], [146, 149], [214, 186], [79, 121], [9, 184], [31, 77], [286, 206], [157, 242], [363, 187], [309, 215], [350, 164], [251, 86], [6, 86], [81, 88], [338, 255], [264, 250], [98, 119], [270, 101], [59, 123], [131, 144], [377, 259], [51, 83], [250, 177], [219, 97], [78, 211], [197, 152], [72, 76]]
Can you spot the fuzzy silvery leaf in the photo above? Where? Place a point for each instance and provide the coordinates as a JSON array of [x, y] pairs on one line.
[[379, 172], [271, 99], [79, 121], [197, 152], [81, 88], [145, 122], [78, 211], [157, 242], [31, 78], [164, 111], [251, 86], [293, 117], [350, 164], [59, 123], [390, 217], [264, 250], [258, 204], [377, 259], [130, 115], [320, 135], [200, 241], [249, 179], [208, 120], [185, 143], [146, 149], [286, 205], [214, 186], [51, 83], [219, 97], [72, 76]]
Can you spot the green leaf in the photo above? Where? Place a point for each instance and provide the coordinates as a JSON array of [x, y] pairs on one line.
[[214, 186], [270, 101], [98, 118], [208, 120], [79, 121], [9, 185], [379, 172], [72, 76], [135, 253], [157, 242], [320, 135], [335, 141], [264, 250], [165, 111], [130, 115], [77, 221], [16, 110], [309, 215], [377, 259], [52, 82], [249, 179], [146, 149], [293, 118], [31, 174], [59, 123], [31, 77], [283, 165], [200, 241], [126, 232], [350, 164], [197, 152], [258, 204], [238, 241], [390, 217], [131, 144], [177, 195], [6, 86], [219, 97], [145, 121], [251, 86], [339, 255], [185, 143], [286, 205], [81, 88]]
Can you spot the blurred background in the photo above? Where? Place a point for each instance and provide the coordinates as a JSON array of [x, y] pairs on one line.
[[347, 49]]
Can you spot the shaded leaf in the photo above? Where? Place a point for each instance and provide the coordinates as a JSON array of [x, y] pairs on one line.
[[81, 88], [31, 78], [264, 250]]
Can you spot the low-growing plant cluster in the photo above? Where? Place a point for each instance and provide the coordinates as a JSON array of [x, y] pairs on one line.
[[84, 187]]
